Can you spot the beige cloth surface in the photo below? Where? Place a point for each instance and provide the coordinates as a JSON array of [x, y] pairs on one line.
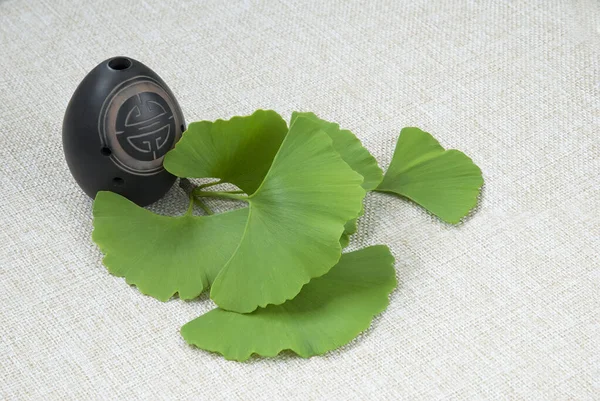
[[504, 306]]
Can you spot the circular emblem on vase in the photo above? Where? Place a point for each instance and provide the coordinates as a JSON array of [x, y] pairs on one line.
[[139, 124]]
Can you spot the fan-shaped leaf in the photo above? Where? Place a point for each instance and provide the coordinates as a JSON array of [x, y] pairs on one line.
[[445, 182], [329, 312], [350, 148], [295, 221], [239, 151], [353, 153], [164, 255]]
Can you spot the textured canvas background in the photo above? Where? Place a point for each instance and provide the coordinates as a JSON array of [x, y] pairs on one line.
[[505, 306]]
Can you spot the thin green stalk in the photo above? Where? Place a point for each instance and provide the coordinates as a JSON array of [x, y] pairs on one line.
[[203, 205], [198, 190], [209, 184], [215, 194], [190, 209]]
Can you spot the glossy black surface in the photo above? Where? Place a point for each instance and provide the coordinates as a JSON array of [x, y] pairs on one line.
[[119, 124]]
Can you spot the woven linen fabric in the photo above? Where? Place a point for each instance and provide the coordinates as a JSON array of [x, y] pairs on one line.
[[503, 306]]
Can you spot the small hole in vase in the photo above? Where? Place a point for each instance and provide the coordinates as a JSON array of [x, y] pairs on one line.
[[119, 63]]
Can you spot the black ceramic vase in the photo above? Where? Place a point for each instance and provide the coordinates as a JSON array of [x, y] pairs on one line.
[[119, 124]]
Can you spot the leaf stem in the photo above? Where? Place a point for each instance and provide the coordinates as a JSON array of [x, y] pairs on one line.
[[203, 205], [190, 209], [209, 184], [215, 194]]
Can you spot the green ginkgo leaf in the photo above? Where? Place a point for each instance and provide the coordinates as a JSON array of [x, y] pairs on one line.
[[164, 255], [329, 312], [239, 151], [353, 153], [295, 220], [350, 148], [445, 182]]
